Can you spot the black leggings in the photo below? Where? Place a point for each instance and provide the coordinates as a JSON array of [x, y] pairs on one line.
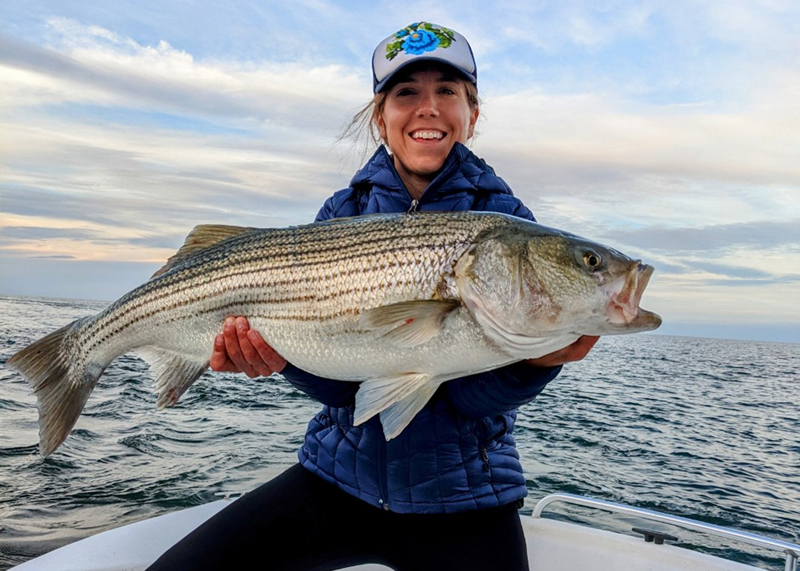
[[300, 522]]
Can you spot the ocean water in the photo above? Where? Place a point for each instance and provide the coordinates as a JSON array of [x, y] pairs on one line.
[[701, 428]]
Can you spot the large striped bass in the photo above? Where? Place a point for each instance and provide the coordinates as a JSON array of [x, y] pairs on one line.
[[399, 302]]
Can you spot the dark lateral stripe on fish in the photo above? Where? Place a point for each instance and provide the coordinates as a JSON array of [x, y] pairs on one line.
[[323, 255], [321, 247], [158, 293], [332, 296], [255, 299], [269, 263], [102, 332], [163, 290], [302, 318]]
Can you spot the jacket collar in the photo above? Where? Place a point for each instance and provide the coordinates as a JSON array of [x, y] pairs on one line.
[[461, 171]]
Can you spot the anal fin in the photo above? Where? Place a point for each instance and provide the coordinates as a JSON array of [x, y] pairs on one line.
[[376, 395], [397, 416], [174, 373]]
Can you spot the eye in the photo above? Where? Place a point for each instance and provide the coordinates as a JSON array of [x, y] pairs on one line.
[[592, 259], [403, 91]]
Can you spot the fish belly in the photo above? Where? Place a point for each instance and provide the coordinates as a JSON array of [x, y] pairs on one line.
[[341, 350]]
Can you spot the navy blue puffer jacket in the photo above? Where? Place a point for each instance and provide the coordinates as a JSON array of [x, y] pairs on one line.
[[458, 453]]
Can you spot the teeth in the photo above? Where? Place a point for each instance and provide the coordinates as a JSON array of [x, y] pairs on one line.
[[427, 135]]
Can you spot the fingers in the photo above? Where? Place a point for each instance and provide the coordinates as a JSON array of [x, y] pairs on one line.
[[240, 349], [578, 350], [259, 356], [575, 352], [267, 354], [234, 350], [246, 357], [219, 356]]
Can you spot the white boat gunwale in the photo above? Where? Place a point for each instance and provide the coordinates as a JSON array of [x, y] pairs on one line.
[[791, 550]]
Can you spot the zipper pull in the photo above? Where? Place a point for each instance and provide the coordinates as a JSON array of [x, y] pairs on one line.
[[413, 208]]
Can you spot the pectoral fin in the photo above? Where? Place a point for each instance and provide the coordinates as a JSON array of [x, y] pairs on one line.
[[174, 373], [413, 322]]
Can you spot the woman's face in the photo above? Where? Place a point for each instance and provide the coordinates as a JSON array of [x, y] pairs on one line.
[[423, 115]]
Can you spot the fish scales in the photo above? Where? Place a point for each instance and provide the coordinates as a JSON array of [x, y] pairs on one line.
[[396, 301], [327, 266], [283, 272]]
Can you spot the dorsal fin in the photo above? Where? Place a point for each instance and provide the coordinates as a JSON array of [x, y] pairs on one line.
[[201, 237]]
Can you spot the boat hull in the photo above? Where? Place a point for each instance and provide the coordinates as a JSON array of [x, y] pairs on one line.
[[552, 546]]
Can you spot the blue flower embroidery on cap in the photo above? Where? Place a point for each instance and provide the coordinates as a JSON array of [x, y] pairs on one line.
[[418, 38], [420, 42]]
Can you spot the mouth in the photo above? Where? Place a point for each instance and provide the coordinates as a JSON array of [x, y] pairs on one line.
[[625, 293], [427, 135]]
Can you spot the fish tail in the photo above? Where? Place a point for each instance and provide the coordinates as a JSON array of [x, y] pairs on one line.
[[61, 380]]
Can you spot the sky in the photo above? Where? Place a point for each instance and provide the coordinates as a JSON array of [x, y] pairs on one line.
[[669, 130]]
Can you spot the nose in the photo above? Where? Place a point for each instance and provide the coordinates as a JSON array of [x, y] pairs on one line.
[[427, 106]]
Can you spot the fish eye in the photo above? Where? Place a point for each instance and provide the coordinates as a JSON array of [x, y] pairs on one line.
[[592, 259]]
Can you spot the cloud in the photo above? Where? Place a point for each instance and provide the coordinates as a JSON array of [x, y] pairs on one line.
[[757, 235], [667, 130], [124, 73], [142, 143], [601, 133], [14, 233]]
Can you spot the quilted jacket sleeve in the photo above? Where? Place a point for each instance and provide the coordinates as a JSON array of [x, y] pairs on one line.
[[326, 391], [499, 391]]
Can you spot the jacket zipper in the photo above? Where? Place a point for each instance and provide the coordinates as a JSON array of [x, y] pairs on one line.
[[485, 458], [384, 493], [491, 440], [448, 167]]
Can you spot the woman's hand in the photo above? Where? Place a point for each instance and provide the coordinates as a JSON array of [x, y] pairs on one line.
[[239, 349], [568, 354]]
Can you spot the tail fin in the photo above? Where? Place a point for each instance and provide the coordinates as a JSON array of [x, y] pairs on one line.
[[61, 380]]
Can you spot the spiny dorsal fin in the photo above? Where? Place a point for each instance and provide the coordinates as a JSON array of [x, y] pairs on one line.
[[199, 238]]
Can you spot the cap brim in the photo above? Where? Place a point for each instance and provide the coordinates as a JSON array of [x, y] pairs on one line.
[[381, 85]]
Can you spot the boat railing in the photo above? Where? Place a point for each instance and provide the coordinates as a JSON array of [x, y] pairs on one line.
[[791, 550]]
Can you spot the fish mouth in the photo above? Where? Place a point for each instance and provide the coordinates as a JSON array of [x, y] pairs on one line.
[[624, 295]]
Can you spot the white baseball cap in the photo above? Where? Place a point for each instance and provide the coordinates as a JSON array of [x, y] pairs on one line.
[[422, 41]]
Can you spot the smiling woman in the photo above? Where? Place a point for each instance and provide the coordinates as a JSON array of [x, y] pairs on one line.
[[425, 111], [356, 497]]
